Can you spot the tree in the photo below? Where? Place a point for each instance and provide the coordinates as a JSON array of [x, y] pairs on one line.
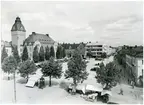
[[108, 75], [9, 65], [61, 52], [52, 52], [64, 53], [103, 55], [25, 54], [69, 53], [51, 68], [35, 54], [47, 53], [81, 49], [41, 54], [89, 54], [4, 54], [76, 68], [58, 52], [16, 54], [26, 68]]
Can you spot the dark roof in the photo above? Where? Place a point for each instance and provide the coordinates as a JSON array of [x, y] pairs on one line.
[[18, 26], [42, 38]]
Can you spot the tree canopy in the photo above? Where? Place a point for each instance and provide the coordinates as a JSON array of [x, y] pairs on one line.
[[108, 75], [41, 54], [4, 54], [9, 65], [25, 54], [52, 52], [16, 54], [51, 68], [35, 54], [47, 53], [76, 68], [26, 68]]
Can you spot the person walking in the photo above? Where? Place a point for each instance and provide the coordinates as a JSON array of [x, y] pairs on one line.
[[133, 84], [121, 92]]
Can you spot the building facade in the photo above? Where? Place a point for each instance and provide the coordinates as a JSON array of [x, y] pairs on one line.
[[95, 48], [36, 39], [19, 39], [134, 65], [7, 47]]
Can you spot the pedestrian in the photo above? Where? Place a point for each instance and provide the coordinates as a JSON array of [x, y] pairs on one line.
[[73, 90], [133, 84], [121, 92]]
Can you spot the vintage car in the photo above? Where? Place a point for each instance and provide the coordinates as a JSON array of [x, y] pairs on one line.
[[92, 92]]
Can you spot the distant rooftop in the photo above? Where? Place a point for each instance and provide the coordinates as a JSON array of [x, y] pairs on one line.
[[94, 43], [42, 38]]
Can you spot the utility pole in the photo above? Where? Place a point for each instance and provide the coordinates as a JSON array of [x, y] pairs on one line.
[[14, 88]]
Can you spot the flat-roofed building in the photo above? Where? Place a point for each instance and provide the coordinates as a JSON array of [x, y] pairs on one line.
[[95, 48]]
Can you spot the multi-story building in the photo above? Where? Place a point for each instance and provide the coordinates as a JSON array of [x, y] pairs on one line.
[[134, 65], [19, 39], [95, 48], [36, 39]]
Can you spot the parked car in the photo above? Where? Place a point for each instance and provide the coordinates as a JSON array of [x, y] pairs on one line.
[[94, 68]]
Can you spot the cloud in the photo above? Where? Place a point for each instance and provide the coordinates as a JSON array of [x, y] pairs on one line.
[[123, 24], [76, 21], [34, 16]]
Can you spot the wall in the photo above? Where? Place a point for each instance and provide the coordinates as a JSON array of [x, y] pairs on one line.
[[140, 66], [17, 38]]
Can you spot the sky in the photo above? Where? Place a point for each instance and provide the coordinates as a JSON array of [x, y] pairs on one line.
[[110, 22]]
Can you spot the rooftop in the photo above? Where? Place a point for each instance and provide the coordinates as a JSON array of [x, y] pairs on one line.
[[94, 43], [42, 38], [18, 26]]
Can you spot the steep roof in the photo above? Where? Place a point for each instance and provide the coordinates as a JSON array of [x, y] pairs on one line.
[[18, 26], [42, 38]]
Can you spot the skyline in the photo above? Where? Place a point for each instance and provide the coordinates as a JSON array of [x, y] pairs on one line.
[[113, 23]]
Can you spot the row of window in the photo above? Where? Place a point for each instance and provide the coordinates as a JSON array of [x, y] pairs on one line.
[[44, 40], [98, 53], [94, 49]]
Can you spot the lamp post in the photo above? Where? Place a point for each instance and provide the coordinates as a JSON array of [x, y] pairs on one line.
[[14, 88]]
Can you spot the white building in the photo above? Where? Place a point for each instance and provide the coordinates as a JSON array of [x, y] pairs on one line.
[[36, 39], [95, 48], [134, 65]]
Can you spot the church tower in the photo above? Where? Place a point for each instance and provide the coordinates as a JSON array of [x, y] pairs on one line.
[[18, 33]]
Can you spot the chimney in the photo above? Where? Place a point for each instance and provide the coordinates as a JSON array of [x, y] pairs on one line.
[[33, 33], [47, 35]]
